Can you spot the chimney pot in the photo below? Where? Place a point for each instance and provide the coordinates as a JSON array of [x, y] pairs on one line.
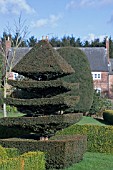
[[42, 37]]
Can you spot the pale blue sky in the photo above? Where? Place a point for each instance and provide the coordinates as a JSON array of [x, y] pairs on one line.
[[87, 19]]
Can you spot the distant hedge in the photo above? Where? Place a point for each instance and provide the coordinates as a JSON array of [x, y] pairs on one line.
[[78, 60], [108, 116], [60, 152], [100, 138]]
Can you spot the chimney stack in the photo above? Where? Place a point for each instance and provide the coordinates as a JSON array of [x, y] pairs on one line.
[[107, 48], [45, 38], [7, 45]]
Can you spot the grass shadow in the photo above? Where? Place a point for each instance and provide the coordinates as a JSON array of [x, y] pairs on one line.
[[102, 121]]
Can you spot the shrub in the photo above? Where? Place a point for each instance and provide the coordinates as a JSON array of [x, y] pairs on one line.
[[12, 152], [27, 161], [8, 132], [3, 153], [108, 116], [59, 153], [79, 62], [10, 164], [34, 160], [99, 138], [99, 104], [13, 127], [11, 109]]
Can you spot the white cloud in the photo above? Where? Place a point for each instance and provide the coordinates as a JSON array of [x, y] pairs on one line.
[[52, 21], [87, 3], [91, 37], [15, 6], [39, 23]]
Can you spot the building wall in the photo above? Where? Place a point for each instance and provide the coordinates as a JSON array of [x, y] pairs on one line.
[[101, 83], [111, 86]]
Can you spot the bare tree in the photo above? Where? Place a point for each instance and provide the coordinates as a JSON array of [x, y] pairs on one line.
[[21, 31]]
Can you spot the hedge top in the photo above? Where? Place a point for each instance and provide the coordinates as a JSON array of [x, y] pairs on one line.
[[42, 58]]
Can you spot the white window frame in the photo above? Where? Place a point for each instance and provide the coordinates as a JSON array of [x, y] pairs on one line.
[[98, 89], [15, 75], [96, 75]]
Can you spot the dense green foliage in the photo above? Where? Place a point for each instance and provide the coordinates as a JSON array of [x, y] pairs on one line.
[[99, 105], [41, 125], [12, 152], [82, 75], [100, 138], [42, 60], [27, 161], [60, 152], [3, 153], [108, 116], [94, 161], [8, 132], [41, 92]]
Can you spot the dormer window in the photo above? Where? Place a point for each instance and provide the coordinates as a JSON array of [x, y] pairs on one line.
[[96, 75]]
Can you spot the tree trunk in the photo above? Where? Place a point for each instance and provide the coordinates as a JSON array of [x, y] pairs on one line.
[[4, 105]]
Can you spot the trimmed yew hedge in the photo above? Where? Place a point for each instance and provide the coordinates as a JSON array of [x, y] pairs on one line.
[[78, 60], [42, 58], [57, 100], [99, 138], [12, 152], [59, 153], [108, 116], [27, 161], [8, 132], [42, 84], [14, 127]]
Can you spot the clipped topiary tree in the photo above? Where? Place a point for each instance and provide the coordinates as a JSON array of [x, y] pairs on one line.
[[45, 97], [78, 60], [42, 93]]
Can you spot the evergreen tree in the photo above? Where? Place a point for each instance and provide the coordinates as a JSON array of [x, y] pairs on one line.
[[42, 91], [32, 41], [110, 48]]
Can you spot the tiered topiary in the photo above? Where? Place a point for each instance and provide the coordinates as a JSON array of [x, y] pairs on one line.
[[42, 92], [45, 97]]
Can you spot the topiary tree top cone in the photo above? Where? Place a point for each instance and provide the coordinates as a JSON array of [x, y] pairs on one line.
[[43, 59]]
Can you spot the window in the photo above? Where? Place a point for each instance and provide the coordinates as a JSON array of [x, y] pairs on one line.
[[15, 75], [98, 90], [96, 75]]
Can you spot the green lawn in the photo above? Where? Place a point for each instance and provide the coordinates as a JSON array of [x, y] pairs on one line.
[[94, 161], [91, 120], [11, 114]]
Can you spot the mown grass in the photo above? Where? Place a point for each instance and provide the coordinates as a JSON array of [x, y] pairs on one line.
[[91, 120], [10, 114], [94, 161]]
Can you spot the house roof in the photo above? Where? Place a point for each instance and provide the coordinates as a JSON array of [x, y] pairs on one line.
[[97, 57], [20, 53], [42, 58]]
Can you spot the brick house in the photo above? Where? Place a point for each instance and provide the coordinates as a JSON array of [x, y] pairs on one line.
[[101, 68], [101, 65]]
